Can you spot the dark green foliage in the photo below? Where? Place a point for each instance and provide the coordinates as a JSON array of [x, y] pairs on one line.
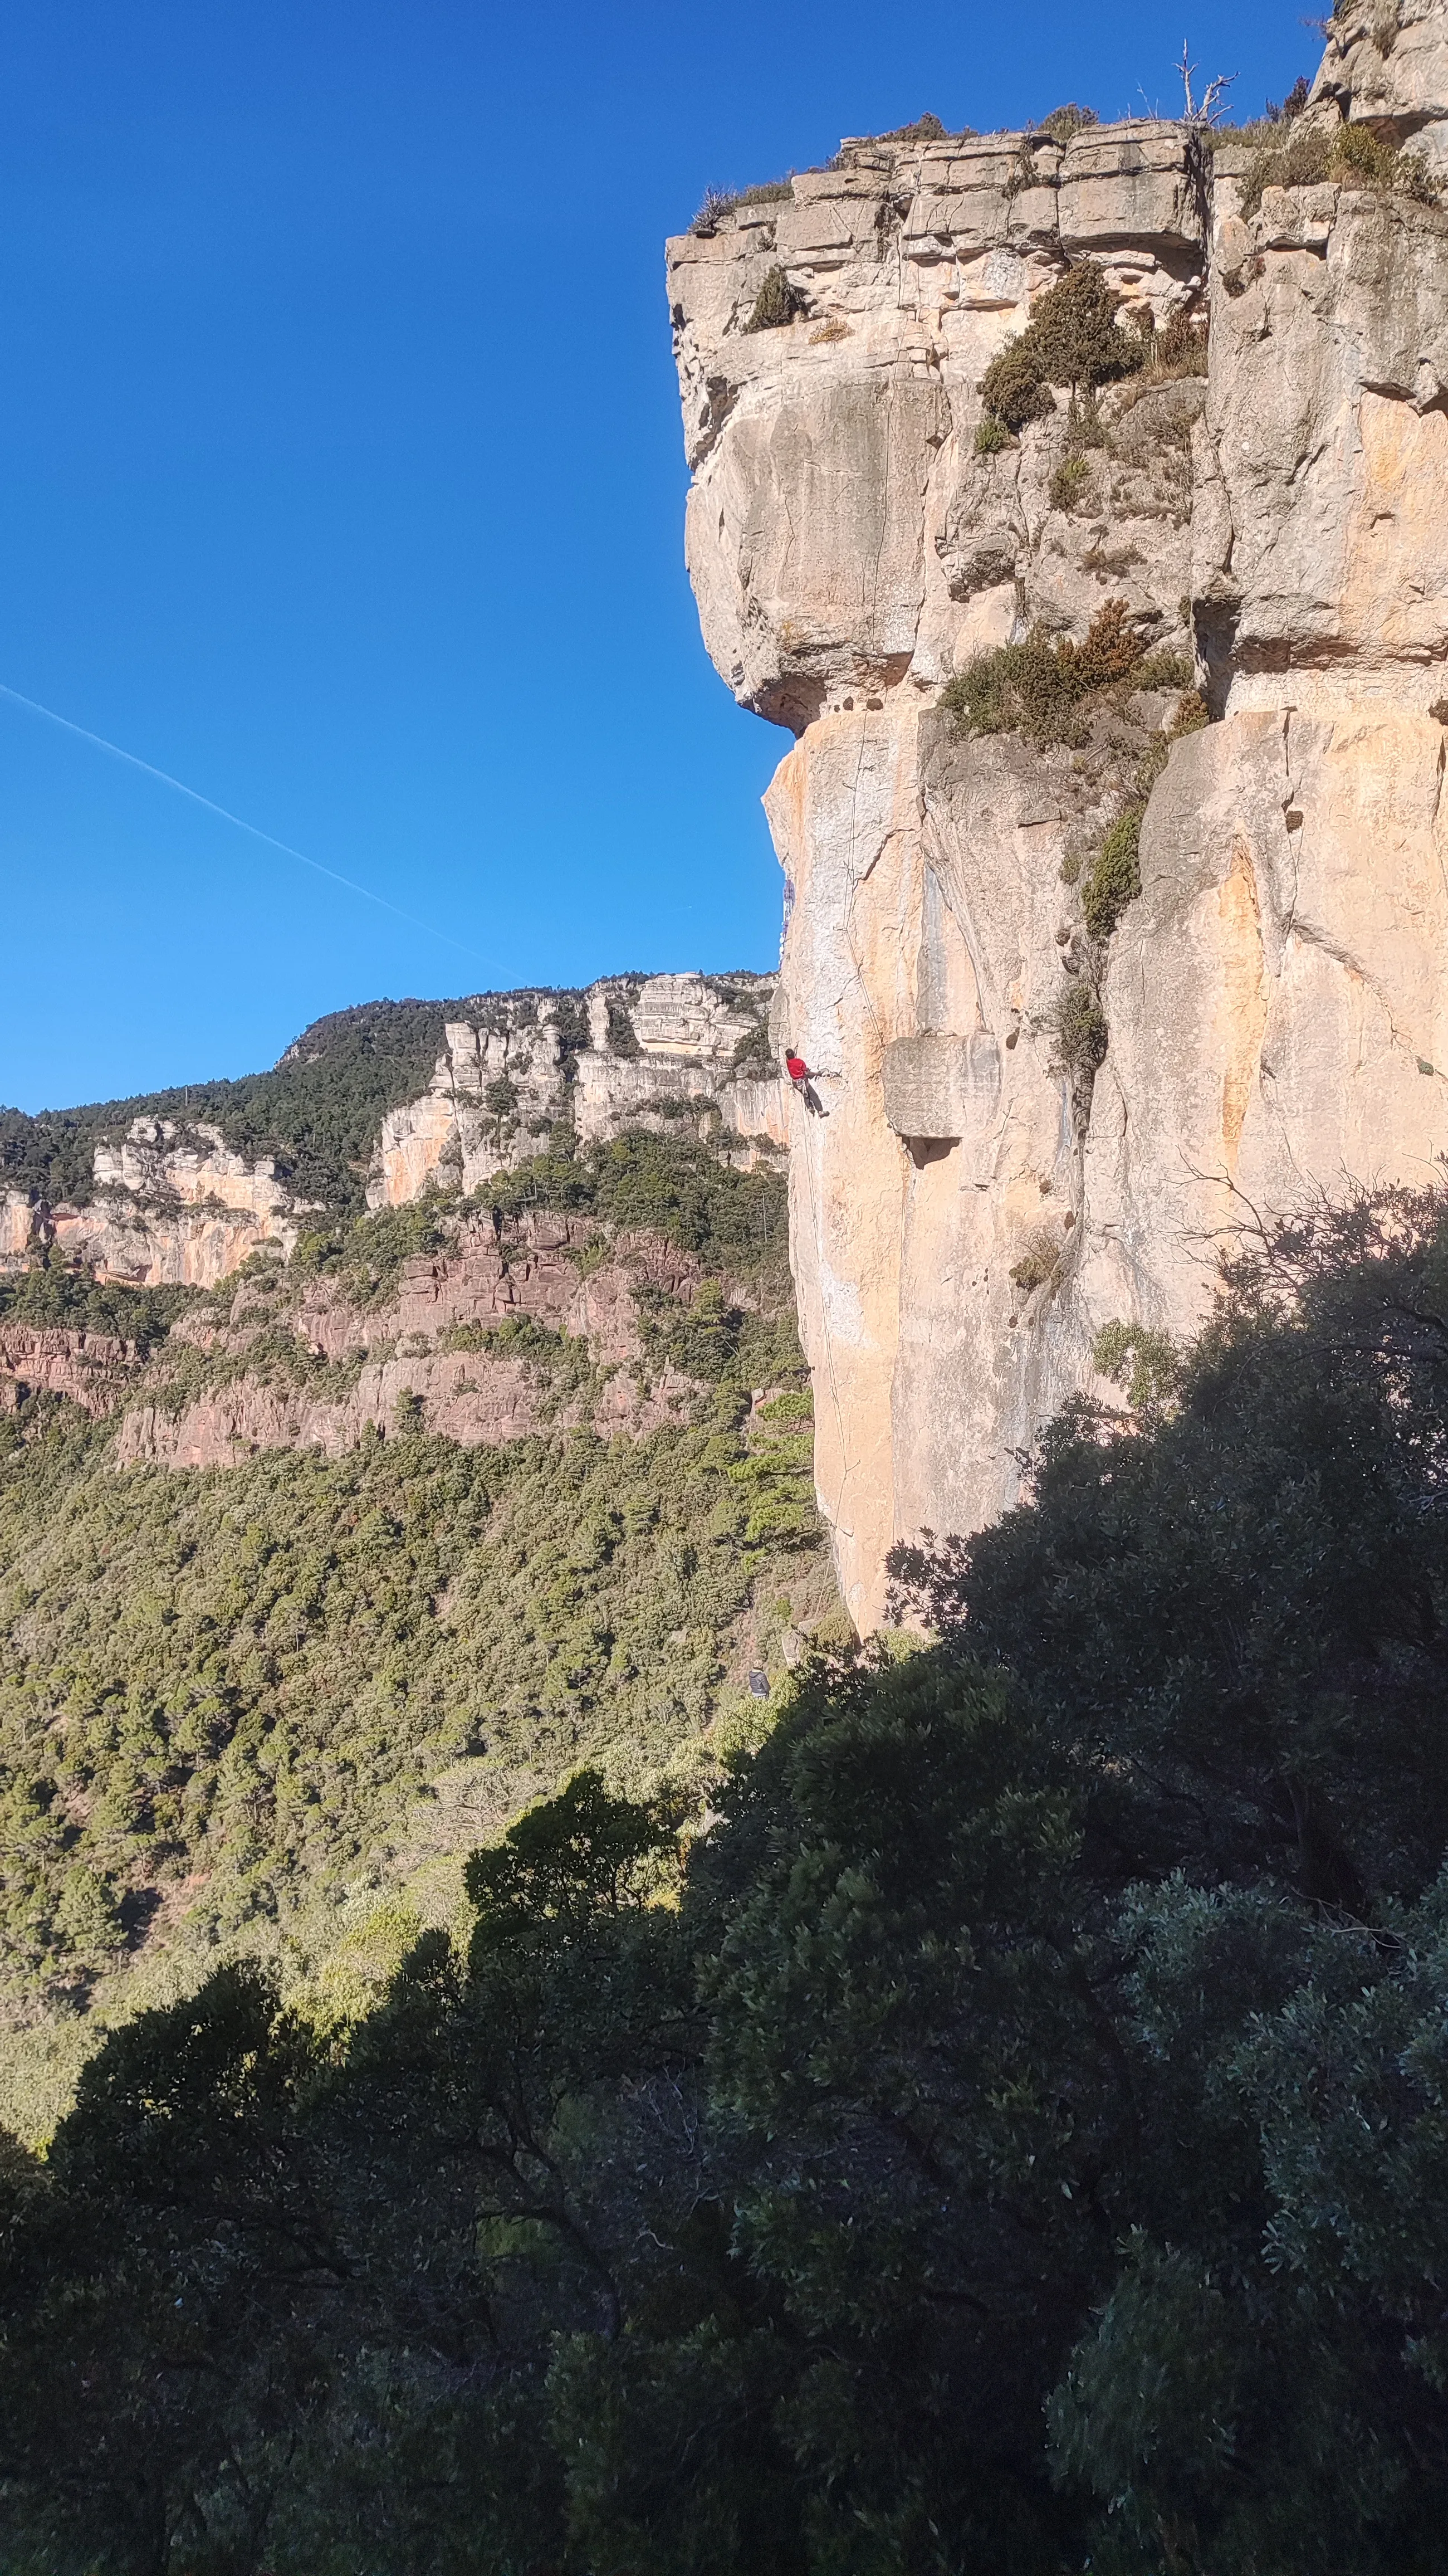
[[1255, 1589], [622, 1036], [753, 1053], [1013, 388], [1011, 2136], [675, 1186], [247, 1679], [991, 435], [49, 1156], [1113, 879], [775, 304], [1044, 687], [78, 1301], [1073, 338], [1070, 483], [1145, 1362], [1298, 161], [670, 1185], [1064, 122], [367, 1257], [1078, 1027]]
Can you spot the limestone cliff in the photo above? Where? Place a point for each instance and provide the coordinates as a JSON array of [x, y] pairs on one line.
[[654, 1049], [171, 1206], [170, 1202], [976, 1205]]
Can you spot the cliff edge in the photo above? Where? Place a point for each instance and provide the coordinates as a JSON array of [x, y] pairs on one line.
[[1113, 832]]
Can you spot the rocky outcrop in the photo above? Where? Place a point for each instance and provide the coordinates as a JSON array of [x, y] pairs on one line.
[[171, 1207], [1386, 67], [174, 1205], [976, 1205], [631, 1052], [443, 1353], [93, 1369]]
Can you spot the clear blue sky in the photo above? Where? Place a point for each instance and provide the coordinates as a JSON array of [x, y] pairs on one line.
[[341, 477]]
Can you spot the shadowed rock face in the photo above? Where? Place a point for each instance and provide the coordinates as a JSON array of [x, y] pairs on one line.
[[1276, 997]]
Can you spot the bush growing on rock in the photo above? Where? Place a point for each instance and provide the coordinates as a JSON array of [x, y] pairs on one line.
[[1078, 1026], [1043, 687], [1353, 155], [775, 304], [1073, 338], [1114, 877], [719, 202], [1070, 483], [1065, 122]]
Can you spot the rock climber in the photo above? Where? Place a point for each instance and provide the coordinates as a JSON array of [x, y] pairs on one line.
[[803, 1080]]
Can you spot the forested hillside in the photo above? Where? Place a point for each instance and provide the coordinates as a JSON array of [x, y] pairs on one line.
[[318, 1110], [263, 1709], [998, 2126]]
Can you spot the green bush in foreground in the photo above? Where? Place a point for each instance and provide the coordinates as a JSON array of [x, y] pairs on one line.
[[1010, 2135]]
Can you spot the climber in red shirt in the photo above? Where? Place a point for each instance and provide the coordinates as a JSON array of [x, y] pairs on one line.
[[803, 1080]]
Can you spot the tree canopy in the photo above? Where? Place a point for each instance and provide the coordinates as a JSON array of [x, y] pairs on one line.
[[1006, 2127]]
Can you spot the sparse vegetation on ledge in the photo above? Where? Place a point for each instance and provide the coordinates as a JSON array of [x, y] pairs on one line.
[[1064, 123], [1043, 687], [1353, 156], [719, 202]]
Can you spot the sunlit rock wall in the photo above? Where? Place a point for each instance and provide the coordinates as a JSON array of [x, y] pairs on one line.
[[968, 1214]]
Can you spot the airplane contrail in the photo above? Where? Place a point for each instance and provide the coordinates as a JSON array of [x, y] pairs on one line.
[[151, 771]]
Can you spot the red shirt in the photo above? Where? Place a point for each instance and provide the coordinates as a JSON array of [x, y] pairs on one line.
[[796, 1068]]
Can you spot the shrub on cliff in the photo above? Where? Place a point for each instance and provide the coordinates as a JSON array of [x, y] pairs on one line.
[[719, 202], [1073, 338], [1043, 687], [1352, 155], [1064, 123], [1114, 877], [1079, 1033], [1070, 483], [775, 304]]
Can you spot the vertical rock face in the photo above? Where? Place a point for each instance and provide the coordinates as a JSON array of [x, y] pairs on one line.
[[172, 1206], [633, 1051], [975, 1206]]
